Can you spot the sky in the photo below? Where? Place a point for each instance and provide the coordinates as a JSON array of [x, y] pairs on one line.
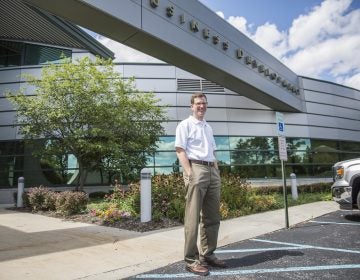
[[315, 38]]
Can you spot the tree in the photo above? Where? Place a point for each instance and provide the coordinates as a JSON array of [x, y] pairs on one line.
[[87, 109], [250, 156]]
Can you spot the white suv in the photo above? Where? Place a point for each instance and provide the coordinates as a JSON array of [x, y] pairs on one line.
[[346, 187]]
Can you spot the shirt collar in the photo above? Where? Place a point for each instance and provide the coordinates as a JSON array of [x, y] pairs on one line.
[[196, 121]]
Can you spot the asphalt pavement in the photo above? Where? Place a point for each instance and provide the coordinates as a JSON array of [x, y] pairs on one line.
[[326, 247], [38, 247]]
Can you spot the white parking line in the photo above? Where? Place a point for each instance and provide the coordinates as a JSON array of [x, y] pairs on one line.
[[261, 249], [348, 224], [308, 246], [251, 271]]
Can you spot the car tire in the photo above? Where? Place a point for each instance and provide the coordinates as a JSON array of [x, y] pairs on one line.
[[358, 200]]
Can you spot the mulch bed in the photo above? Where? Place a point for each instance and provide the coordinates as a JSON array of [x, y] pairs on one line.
[[132, 224]]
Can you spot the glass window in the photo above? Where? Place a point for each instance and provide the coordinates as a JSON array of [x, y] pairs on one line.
[[324, 145], [166, 159], [299, 150], [37, 55], [11, 162], [252, 150], [10, 53], [350, 146], [166, 143]]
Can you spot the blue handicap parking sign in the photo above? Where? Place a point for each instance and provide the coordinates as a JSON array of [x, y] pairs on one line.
[[281, 127]]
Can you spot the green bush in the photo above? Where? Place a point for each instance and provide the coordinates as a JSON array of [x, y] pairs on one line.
[[234, 191], [69, 203], [168, 197], [314, 188], [238, 198]]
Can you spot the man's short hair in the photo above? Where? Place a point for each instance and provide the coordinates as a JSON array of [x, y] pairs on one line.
[[197, 95]]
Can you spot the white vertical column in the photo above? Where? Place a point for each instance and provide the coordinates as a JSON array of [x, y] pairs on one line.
[[19, 202], [145, 195]]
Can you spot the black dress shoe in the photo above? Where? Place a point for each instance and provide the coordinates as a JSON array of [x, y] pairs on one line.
[[197, 269], [214, 263]]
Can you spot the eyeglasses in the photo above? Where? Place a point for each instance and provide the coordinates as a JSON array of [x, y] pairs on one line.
[[200, 103]]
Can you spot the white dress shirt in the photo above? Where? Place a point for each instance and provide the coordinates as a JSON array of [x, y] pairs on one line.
[[196, 138]]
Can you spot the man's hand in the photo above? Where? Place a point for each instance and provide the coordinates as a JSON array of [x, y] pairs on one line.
[[184, 161]]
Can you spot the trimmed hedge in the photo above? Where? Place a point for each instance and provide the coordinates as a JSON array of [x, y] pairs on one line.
[[66, 203]]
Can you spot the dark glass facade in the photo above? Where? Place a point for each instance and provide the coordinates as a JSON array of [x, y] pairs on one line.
[[250, 157], [19, 54]]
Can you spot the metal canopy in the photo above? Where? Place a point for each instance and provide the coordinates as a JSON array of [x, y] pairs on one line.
[[21, 22], [187, 34]]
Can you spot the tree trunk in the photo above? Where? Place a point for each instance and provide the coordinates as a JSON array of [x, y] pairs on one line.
[[82, 176]]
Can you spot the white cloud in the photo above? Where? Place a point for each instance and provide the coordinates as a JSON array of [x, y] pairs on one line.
[[270, 38], [323, 43], [220, 14], [240, 23]]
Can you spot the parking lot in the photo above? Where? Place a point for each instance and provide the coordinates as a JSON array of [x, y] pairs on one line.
[[327, 247]]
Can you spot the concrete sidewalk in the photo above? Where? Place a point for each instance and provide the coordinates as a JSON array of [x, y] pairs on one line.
[[38, 247]]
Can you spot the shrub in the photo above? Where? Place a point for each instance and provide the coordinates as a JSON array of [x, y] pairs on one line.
[[112, 215], [224, 210], [69, 203], [315, 188], [40, 198], [168, 197], [260, 203], [234, 191], [98, 194], [25, 197]]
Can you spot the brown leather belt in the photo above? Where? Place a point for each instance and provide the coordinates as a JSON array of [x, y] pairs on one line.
[[202, 162]]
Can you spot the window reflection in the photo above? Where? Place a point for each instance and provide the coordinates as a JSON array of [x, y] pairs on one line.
[[250, 157]]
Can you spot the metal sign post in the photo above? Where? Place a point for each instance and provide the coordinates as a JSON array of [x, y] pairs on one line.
[[280, 124]]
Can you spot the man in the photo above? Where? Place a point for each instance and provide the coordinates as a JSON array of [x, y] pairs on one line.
[[195, 149]]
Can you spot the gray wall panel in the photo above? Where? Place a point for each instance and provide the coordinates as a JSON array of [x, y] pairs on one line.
[[10, 75], [323, 86], [330, 99], [296, 118], [236, 115], [5, 105], [170, 127], [295, 131], [250, 129], [219, 128], [167, 98], [155, 85], [119, 69], [329, 110], [7, 118], [214, 114], [340, 123], [172, 113], [182, 74], [215, 100], [327, 133], [8, 87], [183, 113], [36, 72], [8, 133], [149, 71], [237, 101]]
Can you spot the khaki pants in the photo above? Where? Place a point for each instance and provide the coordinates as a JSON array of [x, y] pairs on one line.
[[202, 207]]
